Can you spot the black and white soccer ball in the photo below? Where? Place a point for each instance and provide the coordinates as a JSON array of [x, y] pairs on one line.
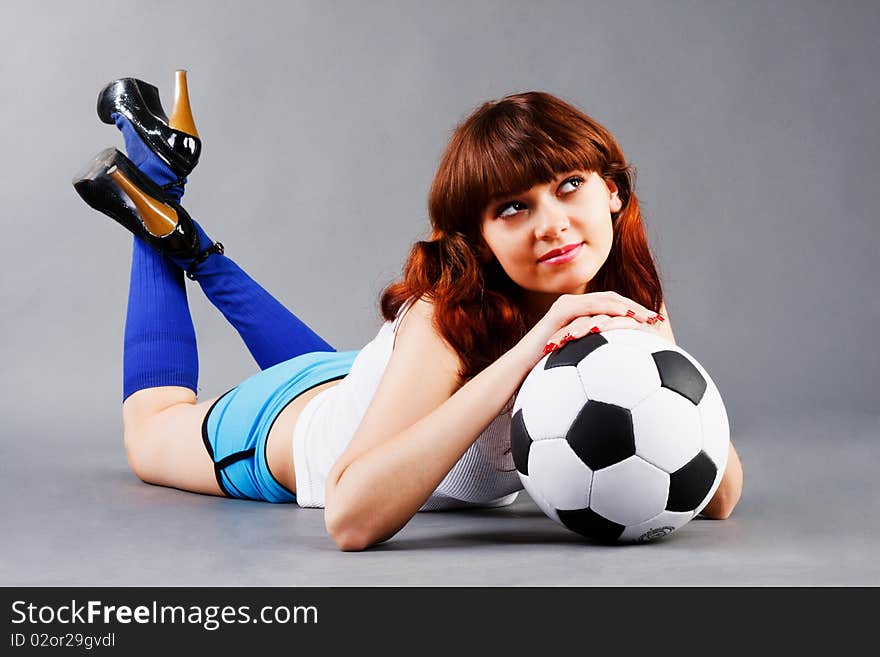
[[620, 436]]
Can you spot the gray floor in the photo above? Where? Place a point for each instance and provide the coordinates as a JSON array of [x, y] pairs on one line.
[[74, 515]]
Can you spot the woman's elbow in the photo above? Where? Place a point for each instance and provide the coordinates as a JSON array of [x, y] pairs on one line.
[[725, 499], [349, 536], [720, 507], [350, 522], [349, 540]]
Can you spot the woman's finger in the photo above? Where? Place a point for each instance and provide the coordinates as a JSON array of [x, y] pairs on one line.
[[609, 303], [625, 323], [578, 328]]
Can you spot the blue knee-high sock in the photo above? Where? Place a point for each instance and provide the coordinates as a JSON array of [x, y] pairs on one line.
[[160, 340], [270, 331]]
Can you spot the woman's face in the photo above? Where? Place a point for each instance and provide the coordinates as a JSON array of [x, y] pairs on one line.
[[572, 210]]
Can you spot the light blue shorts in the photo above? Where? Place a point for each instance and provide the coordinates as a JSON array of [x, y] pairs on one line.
[[237, 425]]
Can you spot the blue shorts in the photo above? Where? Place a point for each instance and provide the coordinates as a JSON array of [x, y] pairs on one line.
[[237, 425]]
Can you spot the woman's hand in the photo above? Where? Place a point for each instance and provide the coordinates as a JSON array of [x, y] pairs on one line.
[[573, 316]]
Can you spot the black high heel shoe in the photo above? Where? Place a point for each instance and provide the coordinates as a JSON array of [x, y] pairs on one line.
[[174, 140], [112, 184]]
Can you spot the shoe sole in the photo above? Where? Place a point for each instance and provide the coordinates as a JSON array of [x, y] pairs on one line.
[[104, 161], [98, 193]]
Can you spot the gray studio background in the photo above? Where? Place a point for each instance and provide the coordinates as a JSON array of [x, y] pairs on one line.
[[753, 128]]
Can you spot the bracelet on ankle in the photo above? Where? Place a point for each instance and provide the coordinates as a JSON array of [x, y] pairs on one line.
[[180, 182], [216, 247]]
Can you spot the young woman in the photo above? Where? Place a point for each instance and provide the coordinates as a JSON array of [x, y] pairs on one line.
[[537, 240]]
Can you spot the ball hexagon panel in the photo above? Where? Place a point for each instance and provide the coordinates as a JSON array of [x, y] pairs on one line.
[[535, 493], [529, 383], [689, 486], [602, 435], [678, 373], [587, 522], [629, 492], [562, 478], [619, 374], [555, 398], [667, 430], [659, 526]]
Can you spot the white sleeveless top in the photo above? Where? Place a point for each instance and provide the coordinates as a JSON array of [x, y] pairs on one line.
[[484, 476]]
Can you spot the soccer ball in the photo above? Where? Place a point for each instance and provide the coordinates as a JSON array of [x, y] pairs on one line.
[[619, 436]]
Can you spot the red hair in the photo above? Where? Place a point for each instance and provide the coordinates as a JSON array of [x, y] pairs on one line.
[[503, 148]]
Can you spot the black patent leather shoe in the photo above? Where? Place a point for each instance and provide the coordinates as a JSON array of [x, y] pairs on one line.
[[174, 140], [112, 184]]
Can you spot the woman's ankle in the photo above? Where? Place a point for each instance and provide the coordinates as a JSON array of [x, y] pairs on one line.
[[207, 248], [147, 161]]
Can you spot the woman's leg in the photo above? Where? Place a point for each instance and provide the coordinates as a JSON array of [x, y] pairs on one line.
[[270, 331], [161, 419], [163, 439]]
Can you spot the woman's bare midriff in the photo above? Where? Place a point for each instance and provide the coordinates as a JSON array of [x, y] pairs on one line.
[[279, 445]]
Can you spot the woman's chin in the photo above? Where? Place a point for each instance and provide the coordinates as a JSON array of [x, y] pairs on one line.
[[575, 281]]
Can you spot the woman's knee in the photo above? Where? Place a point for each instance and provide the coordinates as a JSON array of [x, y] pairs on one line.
[[143, 441], [144, 405], [148, 425], [165, 447], [136, 452]]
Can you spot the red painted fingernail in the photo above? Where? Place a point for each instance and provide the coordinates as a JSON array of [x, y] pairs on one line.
[[661, 317], [630, 313], [550, 346], [568, 337], [651, 320], [595, 329]]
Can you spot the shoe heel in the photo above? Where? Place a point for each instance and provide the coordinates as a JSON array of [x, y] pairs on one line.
[[181, 113], [158, 218]]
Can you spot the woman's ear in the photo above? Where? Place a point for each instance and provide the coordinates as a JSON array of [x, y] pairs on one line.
[[614, 201]]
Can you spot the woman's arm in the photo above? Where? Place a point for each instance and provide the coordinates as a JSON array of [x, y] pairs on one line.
[[421, 420], [417, 427]]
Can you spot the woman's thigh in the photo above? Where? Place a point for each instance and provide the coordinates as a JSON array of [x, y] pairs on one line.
[[163, 439]]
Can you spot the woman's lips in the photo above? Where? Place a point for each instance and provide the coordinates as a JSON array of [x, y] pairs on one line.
[[568, 256]]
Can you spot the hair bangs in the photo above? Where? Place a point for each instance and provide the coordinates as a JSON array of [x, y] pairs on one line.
[[516, 155]]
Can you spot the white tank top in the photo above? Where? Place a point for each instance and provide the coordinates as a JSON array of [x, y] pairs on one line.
[[484, 476]]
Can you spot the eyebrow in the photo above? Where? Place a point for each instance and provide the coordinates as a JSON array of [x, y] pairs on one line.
[[502, 196], [505, 195]]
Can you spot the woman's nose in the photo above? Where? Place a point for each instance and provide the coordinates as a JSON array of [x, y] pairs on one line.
[[551, 220]]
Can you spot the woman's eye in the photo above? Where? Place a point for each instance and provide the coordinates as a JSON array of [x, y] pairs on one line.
[[574, 182], [510, 209]]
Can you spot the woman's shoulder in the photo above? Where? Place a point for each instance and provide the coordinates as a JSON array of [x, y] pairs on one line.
[[422, 307], [420, 335]]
